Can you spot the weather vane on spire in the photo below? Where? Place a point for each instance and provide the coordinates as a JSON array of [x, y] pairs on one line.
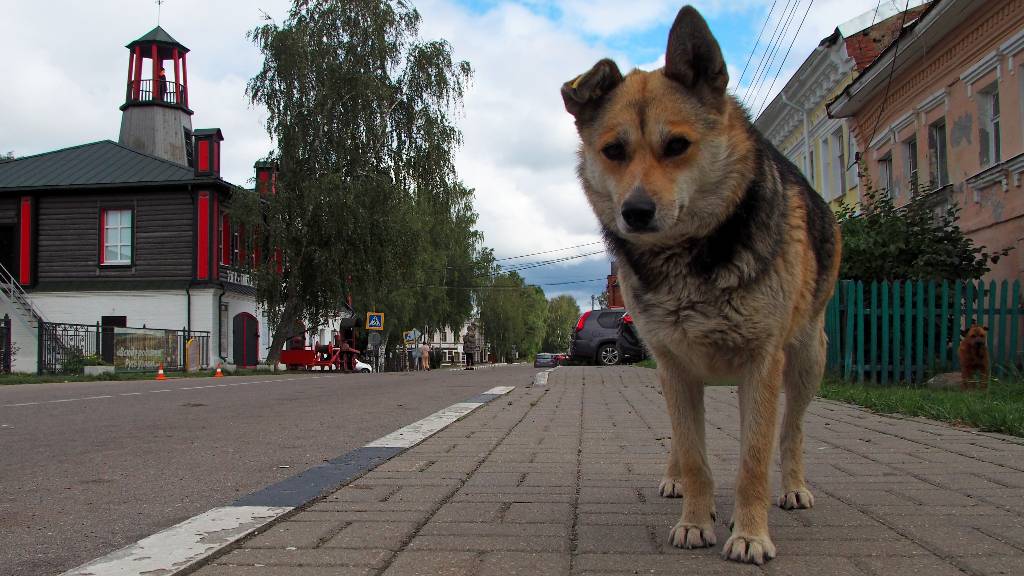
[[159, 5]]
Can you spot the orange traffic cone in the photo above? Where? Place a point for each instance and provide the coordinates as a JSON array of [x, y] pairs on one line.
[[218, 374], [160, 373]]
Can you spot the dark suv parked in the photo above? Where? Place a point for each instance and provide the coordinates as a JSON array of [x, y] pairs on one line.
[[594, 338], [631, 349]]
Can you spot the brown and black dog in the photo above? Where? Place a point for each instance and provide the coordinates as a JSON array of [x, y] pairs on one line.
[[974, 358], [727, 259]]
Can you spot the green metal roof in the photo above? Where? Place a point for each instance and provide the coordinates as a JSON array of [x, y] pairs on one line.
[[159, 36], [96, 165]]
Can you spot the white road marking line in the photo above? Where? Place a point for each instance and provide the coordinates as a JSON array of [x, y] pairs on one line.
[[541, 379], [226, 384], [168, 551], [500, 390], [417, 432]]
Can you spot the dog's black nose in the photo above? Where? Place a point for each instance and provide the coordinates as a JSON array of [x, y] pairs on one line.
[[638, 212]]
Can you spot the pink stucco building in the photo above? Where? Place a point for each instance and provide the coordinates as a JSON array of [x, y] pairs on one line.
[[940, 112]]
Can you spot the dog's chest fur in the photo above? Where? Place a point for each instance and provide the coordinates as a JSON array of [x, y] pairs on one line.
[[714, 300]]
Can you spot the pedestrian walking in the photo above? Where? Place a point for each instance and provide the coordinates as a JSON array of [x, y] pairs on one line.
[[417, 357], [425, 354], [469, 345]]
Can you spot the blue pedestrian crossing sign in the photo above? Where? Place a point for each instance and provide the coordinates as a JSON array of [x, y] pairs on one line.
[[374, 320]]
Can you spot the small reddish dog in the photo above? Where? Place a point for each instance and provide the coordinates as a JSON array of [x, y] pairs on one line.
[[974, 357]]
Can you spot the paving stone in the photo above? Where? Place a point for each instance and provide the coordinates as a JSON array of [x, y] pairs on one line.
[[994, 565], [221, 570], [630, 539], [524, 564], [909, 566], [463, 511], [294, 534], [542, 513], [702, 561], [386, 535], [524, 543], [817, 565], [300, 557], [419, 563], [494, 529]]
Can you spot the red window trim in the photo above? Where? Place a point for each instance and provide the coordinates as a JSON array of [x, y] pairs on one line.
[[216, 221], [225, 257], [25, 247], [203, 237], [204, 155]]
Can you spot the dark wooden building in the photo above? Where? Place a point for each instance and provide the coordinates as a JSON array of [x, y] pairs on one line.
[[131, 233]]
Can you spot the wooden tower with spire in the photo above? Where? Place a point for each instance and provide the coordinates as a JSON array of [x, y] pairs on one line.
[[155, 116]]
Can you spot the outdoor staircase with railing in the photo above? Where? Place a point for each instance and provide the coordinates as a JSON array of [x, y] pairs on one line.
[[14, 293]]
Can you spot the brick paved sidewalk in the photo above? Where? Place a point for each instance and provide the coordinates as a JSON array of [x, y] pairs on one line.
[[563, 480]]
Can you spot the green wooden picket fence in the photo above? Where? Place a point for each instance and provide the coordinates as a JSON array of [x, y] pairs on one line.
[[906, 331]]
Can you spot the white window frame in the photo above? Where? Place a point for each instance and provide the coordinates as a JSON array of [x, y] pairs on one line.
[[911, 167], [838, 170], [826, 175], [938, 155], [885, 180], [113, 237], [852, 169], [989, 120]]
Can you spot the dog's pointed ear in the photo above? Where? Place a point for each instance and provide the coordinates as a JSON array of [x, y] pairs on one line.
[[585, 92], [693, 57], [963, 332]]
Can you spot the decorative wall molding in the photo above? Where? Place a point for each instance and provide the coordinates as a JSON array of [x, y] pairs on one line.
[[931, 102], [972, 74], [1011, 47]]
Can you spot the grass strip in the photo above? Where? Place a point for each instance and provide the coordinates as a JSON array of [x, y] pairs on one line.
[[1000, 408]]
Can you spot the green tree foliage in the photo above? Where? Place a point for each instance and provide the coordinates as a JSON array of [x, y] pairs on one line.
[[563, 311], [919, 240], [368, 202], [512, 315]]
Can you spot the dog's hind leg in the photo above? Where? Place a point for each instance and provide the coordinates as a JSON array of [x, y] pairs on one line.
[[759, 397], [684, 396], [805, 365]]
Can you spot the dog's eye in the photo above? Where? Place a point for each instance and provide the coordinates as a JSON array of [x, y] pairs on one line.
[[615, 152], [676, 146]]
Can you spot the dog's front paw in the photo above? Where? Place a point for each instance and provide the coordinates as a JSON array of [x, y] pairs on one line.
[[799, 499], [749, 549], [670, 488], [687, 535]]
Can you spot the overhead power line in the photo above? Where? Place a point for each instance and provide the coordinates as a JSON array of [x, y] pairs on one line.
[[549, 262], [548, 251], [768, 55], [756, 42], [764, 100], [888, 83]]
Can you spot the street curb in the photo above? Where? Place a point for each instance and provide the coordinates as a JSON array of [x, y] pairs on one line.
[[182, 547]]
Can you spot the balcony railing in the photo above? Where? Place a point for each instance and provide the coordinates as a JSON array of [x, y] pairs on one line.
[[168, 92]]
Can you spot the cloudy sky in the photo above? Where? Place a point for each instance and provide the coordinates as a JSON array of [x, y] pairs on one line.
[[64, 69]]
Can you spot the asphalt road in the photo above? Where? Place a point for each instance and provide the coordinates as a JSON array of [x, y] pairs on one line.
[[89, 467]]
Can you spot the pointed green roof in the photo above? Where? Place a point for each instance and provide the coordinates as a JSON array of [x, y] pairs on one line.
[[159, 36]]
